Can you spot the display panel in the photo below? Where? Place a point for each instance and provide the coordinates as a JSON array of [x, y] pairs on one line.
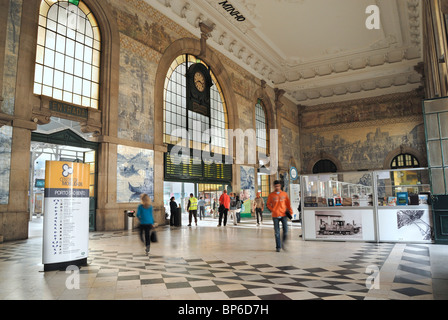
[[404, 205], [351, 189], [403, 187]]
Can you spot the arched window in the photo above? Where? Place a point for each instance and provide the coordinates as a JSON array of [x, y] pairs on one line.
[[324, 166], [404, 160], [68, 53], [176, 115], [261, 128]]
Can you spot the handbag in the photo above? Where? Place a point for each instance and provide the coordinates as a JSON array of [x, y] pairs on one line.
[[288, 214], [153, 236]]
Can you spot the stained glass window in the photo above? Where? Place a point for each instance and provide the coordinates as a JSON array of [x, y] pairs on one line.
[[68, 53]]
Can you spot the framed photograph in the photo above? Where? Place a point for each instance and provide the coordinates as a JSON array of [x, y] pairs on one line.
[[331, 202]]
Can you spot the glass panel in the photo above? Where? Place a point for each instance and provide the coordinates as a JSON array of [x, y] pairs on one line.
[[436, 105], [434, 154], [437, 181], [59, 62], [49, 58], [402, 187], [37, 88], [58, 80], [445, 152], [38, 73], [443, 120], [353, 189], [432, 126], [68, 82], [48, 76]]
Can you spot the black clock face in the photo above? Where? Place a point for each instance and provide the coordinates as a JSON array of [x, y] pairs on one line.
[[199, 81]]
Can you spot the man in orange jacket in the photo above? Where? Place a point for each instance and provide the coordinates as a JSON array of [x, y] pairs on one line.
[[278, 203]]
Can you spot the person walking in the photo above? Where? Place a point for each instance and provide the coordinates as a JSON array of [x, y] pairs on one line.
[[224, 205], [233, 207], [201, 205], [192, 209], [278, 203], [239, 206], [259, 207], [146, 218]]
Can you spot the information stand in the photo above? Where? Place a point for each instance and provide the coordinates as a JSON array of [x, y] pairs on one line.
[[66, 218]]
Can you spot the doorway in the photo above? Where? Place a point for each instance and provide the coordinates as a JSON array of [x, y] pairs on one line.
[[60, 141], [210, 193]]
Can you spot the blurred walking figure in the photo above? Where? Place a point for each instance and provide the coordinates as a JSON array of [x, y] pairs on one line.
[[233, 207], [201, 205], [146, 218], [259, 207], [278, 203]]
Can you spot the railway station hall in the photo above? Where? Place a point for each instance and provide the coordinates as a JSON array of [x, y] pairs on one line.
[[213, 151]]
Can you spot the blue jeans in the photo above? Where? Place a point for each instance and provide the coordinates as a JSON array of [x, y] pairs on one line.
[[284, 221]]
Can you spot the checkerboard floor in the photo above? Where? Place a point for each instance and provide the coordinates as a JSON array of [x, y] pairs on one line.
[[227, 263]]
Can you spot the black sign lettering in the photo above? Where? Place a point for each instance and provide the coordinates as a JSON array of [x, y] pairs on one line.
[[232, 11]]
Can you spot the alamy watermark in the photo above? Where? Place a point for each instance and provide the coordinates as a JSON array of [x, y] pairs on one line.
[[373, 280], [242, 146], [373, 21], [73, 280]]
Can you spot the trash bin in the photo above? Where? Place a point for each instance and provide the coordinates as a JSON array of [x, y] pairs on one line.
[[129, 214], [178, 217]]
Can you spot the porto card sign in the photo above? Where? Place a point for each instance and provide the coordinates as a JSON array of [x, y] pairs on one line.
[[66, 214]]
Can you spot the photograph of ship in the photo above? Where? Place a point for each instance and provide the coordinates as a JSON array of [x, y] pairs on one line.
[[340, 224]]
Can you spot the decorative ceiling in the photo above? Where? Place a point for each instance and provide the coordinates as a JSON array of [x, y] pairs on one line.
[[317, 51]]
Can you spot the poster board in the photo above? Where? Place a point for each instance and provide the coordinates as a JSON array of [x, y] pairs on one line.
[[339, 224], [66, 223], [407, 223]]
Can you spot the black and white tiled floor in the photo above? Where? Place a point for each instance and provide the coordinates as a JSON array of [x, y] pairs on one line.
[[227, 263]]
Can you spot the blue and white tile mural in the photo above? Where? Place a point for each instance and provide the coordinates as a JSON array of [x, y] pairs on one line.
[[5, 162], [135, 173], [247, 175]]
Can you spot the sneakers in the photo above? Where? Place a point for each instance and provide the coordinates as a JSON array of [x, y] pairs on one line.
[[147, 250]]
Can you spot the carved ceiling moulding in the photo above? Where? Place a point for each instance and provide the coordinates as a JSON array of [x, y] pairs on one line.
[[357, 87], [236, 40]]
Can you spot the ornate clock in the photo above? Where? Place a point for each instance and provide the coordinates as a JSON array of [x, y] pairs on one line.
[[198, 89]]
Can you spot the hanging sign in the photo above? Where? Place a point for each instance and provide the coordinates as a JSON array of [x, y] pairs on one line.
[[66, 214]]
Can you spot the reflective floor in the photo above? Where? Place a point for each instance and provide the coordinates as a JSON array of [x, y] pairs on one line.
[[207, 262]]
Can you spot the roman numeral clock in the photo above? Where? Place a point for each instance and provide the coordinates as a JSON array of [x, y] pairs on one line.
[[198, 89]]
